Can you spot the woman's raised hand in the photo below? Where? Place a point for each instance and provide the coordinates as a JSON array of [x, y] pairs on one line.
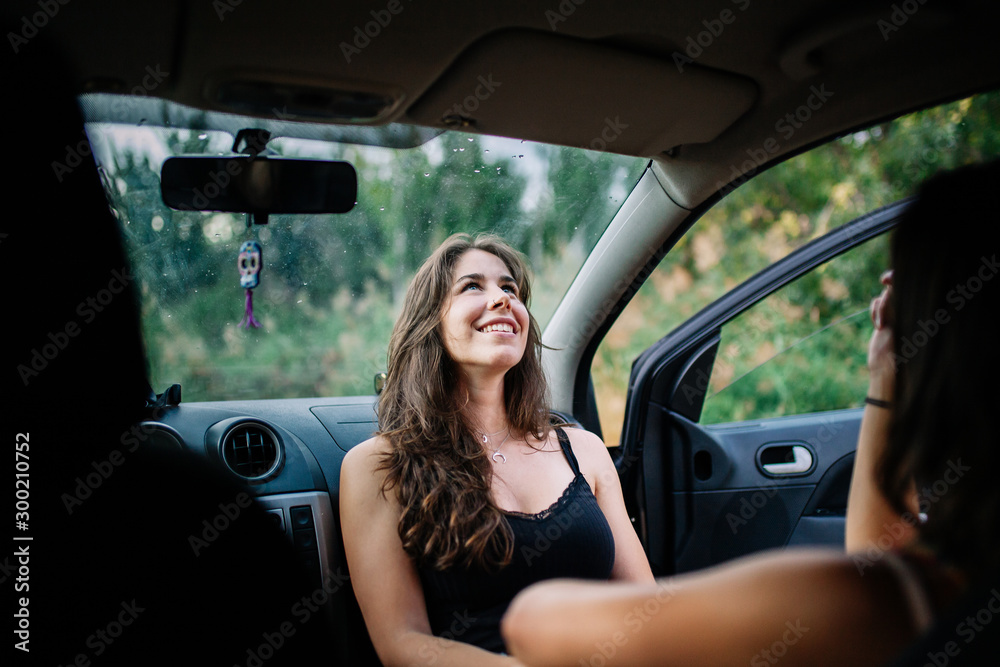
[[881, 360]]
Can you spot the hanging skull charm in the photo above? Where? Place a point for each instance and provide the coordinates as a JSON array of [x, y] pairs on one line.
[[249, 264]]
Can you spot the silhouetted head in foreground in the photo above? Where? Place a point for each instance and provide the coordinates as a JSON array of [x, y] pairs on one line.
[[946, 297]]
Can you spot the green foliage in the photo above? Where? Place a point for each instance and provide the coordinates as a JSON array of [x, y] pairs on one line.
[[771, 215]]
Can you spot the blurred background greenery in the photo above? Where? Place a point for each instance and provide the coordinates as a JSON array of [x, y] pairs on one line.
[[332, 285], [763, 220]]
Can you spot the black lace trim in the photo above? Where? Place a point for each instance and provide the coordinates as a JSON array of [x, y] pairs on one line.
[[554, 507]]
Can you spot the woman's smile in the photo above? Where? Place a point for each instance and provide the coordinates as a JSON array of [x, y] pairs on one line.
[[483, 321]]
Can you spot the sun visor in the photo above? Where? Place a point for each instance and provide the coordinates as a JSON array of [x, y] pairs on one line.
[[576, 93]]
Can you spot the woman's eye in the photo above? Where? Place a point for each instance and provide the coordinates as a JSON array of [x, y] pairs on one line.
[[469, 286]]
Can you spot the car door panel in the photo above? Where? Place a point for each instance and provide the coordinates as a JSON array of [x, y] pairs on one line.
[[708, 493], [748, 509]]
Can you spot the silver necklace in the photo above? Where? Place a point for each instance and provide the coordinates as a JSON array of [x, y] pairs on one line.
[[496, 452], [486, 436]]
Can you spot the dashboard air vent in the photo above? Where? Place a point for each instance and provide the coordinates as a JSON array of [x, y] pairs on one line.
[[252, 451]]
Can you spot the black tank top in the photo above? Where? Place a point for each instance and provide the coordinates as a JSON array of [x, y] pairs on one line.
[[569, 539]]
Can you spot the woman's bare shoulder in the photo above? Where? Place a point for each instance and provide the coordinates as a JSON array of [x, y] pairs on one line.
[[590, 450], [375, 446], [361, 466], [584, 441]]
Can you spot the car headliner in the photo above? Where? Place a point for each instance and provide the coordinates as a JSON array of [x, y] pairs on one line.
[[698, 85]]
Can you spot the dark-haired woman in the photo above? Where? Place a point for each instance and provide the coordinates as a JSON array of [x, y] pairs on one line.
[[924, 503], [466, 495]]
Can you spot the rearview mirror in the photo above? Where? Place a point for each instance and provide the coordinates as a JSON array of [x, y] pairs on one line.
[[258, 185]]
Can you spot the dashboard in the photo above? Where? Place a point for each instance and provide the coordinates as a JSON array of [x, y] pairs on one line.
[[287, 454]]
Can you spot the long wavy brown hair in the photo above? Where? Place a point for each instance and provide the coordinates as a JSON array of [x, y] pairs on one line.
[[436, 464]]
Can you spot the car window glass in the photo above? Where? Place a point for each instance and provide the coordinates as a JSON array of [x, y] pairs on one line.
[[803, 348], [331, 285], [780, 210]]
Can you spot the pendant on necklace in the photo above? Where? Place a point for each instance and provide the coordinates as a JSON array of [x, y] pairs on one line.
[[496, 454]]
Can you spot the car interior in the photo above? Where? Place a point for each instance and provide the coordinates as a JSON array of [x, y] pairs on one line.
[[695, 102]]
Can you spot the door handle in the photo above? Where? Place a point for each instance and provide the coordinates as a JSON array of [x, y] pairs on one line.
[[785, 459]]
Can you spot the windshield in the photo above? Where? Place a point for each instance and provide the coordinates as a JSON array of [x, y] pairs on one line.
[[331, 285]]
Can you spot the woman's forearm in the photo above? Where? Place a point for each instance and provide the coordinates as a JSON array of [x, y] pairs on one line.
[[417, 649], [871, 519]]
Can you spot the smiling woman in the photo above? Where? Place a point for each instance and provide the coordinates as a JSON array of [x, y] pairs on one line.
[[443, 509]]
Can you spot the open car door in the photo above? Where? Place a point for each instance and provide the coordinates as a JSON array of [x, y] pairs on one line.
[[741, 424]]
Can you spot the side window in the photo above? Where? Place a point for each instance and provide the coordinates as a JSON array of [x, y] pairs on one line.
[[803, 348], [763, 220]]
